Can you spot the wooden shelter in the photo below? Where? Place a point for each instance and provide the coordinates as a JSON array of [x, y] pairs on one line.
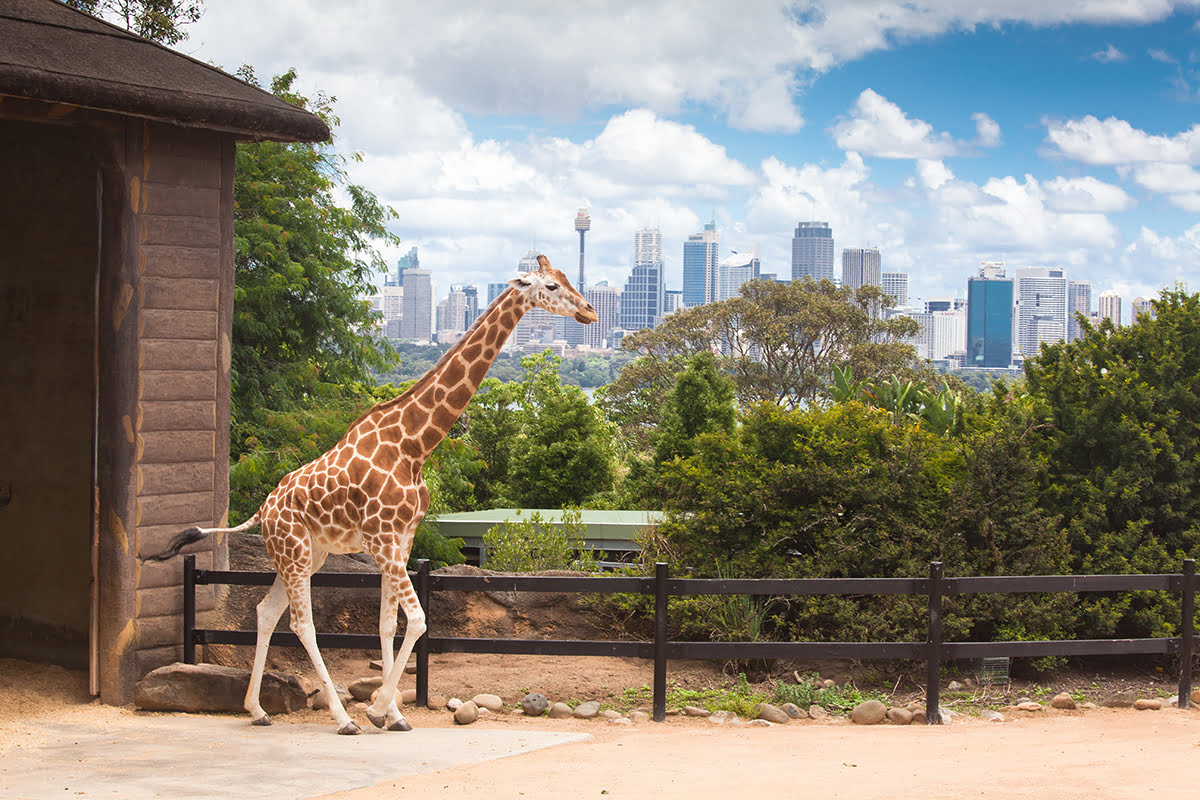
[[116, 307]]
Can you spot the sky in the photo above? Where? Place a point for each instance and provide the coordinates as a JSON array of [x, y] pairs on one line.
[[943, 132]]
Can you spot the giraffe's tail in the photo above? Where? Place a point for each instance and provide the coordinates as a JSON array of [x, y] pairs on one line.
[[192, 535]]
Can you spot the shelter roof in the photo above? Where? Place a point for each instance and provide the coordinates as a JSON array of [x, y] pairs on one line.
[[53, 53]]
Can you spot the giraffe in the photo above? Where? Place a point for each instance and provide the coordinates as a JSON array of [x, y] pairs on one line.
[[367, 494]]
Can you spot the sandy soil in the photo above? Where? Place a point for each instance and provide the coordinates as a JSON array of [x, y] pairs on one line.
[[1100, 753]]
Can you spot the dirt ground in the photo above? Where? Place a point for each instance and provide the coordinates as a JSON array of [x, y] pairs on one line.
[[1099, 753]]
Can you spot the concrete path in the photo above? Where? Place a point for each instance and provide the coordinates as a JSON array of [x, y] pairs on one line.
[[204, 757]]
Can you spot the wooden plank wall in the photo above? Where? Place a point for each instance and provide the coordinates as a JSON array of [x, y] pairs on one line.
[[184, 207]]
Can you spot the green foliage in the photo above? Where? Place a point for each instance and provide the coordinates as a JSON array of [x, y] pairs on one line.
[[738, 697], [701, 402], [1123, 462], [159, 21], [905, 401], [534, 545], [811, 691], [302, 264]]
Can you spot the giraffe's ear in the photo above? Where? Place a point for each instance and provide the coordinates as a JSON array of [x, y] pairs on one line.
[[520, 281]]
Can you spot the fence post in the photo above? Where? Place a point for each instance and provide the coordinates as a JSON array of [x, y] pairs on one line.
[[189, 609], [1186, 643], [423, 643], [933, 655], [660, 641]]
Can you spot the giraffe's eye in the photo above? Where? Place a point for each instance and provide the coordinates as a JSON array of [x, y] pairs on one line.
[[552, 287]]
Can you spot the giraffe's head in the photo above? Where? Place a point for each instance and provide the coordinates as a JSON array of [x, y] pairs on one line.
[[549, 288]]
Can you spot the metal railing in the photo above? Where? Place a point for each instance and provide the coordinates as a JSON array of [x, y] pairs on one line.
[[661, 586]]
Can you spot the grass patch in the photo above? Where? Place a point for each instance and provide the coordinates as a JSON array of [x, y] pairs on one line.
[[738, 697]]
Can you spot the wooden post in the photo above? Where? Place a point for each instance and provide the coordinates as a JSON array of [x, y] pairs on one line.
[[660, 641], [934, 642], [1186, 642], [423, 643], [189, 609]]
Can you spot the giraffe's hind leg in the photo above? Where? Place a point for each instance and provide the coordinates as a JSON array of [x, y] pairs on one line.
[[270, 609]]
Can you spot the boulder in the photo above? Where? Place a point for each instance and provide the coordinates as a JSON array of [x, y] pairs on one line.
[[534, 704], [586, 710], [771, 713], [363, 688], [1120, 700], [870, 712], [559, 711], [1064, 701], [695, 711], [794, 711], [899, 716], [321, 703], [210, 687], [1143, 704], [818, 712], [489, 701], [467, 713]]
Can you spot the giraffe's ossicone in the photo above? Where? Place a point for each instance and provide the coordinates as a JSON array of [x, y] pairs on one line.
[[367, 494]]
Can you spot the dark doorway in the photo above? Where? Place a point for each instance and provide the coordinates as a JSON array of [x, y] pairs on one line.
[[49, 241]]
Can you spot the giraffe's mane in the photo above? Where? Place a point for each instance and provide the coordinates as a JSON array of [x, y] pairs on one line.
[[424, 380]]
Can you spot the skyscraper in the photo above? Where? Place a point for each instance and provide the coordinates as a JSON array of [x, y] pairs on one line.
[[472, 295], [734, 271], [605, 299], [1041, 308], [700, 266], [1140, 305], [416, 322], [1079, 301], [990, 317], [1108, 306], [405, 263], [861, 266], [642, 297], [895, 286], [812, 251]]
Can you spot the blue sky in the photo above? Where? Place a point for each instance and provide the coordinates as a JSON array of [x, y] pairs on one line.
[[942, 132]]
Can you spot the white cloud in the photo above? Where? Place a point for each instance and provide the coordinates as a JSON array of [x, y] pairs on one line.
[[1162, 56], [987, 131], [1114, 141], [1109, 54], [1167, 178], [1085, 195], [877, 127]]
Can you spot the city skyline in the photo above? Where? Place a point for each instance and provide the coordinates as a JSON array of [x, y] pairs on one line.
[[1044, 135]]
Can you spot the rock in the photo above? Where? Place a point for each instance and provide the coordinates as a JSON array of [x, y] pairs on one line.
[[321, 703], [619, 720], [1196, 696], [639, 716], [817, 712], [408, 697], [695, 711], [210, 687], [534, 704], [915, 705], [454, 704], [899, 716], [489, 701], [770, 713], [794, 711], [1120, 700], [437, 702], [722, 717], [918, 717], [946, 715], [1143, 704], [870, 712], [466, 713], [1030, 706], [828, 683], [557, 711], [610, 714], [987, 715], [1089, 706], [954, 686], [760, 723], [1064, 701], [586, 710], [363, 688]]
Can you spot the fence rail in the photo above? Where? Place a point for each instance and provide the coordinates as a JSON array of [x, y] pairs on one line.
[[661, 587]]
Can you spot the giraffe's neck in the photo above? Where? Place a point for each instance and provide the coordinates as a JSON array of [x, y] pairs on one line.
[[422, 416]]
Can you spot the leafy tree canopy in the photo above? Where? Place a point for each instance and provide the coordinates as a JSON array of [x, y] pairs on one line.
[[161, 21]]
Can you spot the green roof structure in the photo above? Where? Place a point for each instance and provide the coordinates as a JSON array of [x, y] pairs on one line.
[[608, 531]]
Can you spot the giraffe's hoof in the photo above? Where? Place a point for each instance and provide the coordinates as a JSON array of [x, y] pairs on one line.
[[349, 729], [378, 720], [400, 725], [262, 721]]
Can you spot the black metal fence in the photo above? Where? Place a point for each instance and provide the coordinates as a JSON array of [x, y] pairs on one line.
[[933, 650]]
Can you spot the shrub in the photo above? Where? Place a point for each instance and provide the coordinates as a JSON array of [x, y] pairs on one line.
[[534, 545]]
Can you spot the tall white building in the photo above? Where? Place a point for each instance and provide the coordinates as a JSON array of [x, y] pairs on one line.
[[812, 251], [895, 285], [606, 300], [452, 314], [1079, 301], [1140, 305], [642, 297], [861, 266], [700, 259], [736, 270], [1108, 306], [416, 322], [1041, 299]]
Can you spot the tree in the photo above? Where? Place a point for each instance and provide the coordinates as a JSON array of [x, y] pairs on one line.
[[701, 402], [1124, 455], [778, 342], [161, 21], [301, 330]]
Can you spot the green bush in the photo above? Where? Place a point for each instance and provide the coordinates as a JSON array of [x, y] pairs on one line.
[[534, 545]]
